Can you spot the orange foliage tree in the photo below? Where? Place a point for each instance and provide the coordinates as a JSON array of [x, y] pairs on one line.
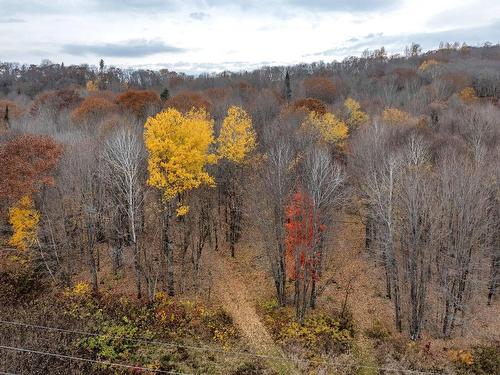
[[320, 88], [308, 105], [187, 100], [93, 109], [56, 100], [139, 101], [10, 109], [27, 163]]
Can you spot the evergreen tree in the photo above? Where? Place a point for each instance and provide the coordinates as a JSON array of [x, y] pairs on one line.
[[6, 117], [288, 90], [165, 94]]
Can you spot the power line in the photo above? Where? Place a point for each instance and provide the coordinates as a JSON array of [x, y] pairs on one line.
[[144, 341], [69, 357], [319, 362]]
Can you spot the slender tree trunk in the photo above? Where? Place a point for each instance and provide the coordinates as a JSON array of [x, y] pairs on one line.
[[168, 247]]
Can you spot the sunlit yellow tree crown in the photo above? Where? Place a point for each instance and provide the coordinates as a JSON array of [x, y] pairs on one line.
[[356, 116], [179, 150], [237, 137], [24, 220], [330, 128]]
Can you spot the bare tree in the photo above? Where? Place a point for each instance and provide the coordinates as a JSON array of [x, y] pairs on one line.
[[274, 185], [323, 179], [416, 228], [124, 158]]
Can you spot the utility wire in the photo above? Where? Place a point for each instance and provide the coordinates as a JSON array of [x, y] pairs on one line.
[[319, 362], [69, 357]]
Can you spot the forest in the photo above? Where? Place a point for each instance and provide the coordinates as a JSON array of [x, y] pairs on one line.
[[325, 218]]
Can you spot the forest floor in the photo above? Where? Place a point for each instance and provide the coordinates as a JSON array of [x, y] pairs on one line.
[[232, 291]]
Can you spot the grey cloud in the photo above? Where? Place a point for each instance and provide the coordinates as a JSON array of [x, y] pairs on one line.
[[431, 40], [198, 16], [275, 7], [196, 68], [11, 20], [344, 5], [130, 48]]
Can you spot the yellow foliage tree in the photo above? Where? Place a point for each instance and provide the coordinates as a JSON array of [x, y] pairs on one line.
[[330, 128], [427, 64], [468, 95], [394, 116], [24, 220], [356, 116], [91, 86], [237, 137], [179, 150]]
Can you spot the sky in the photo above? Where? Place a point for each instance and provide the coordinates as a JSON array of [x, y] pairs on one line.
[[196, 36]]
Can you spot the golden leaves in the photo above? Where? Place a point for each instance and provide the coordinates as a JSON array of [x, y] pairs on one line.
[[356, 116], [237, 137], [329, 128], [24, 220], [179, 149]]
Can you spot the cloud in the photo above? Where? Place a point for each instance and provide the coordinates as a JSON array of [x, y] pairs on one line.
[[343, 5], [196, 68], [430, 40], [130, 48], [11, 20], [198, 16]]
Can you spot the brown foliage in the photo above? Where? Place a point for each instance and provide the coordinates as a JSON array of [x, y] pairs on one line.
[[93, 108], [138, 101], [15, 111], [56, 100], [217, 93], [456, 81], [320, 88], [186, 100], [308, 104], [244, 90], [27, 162]]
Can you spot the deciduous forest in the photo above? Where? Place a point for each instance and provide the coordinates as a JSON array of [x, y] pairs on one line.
[[325, 218]]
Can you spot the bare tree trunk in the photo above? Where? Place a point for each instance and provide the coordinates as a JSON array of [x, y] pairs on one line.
[[167, 244]]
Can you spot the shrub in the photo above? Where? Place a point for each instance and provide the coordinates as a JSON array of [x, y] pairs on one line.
[[319, 334], [486, 360], [378, 331]]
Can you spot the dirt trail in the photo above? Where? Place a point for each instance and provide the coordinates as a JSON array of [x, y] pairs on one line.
[[230, 288]]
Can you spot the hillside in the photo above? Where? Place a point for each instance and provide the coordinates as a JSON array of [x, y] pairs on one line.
[[326, 218]]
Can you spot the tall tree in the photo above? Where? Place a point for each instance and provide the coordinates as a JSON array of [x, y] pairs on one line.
[[287, 89], [179, 151], [236, 141]]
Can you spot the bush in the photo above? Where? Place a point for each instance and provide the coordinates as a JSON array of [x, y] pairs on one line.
[[378, 331], [486, 360], [319, 334]]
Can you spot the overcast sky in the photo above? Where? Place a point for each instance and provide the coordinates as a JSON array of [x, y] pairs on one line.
[[213, 35]]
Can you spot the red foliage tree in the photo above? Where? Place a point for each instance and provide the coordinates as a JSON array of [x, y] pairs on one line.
[[302, 228], [27, 162], [138, 101]]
